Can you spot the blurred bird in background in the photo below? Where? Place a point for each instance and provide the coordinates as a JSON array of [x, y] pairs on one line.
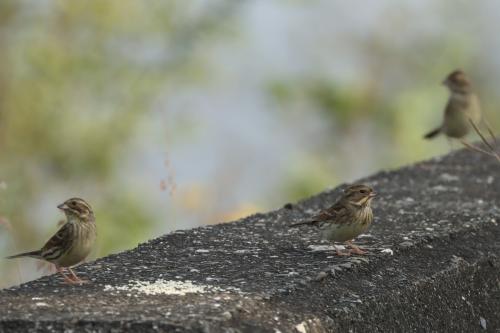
[[462, 112]]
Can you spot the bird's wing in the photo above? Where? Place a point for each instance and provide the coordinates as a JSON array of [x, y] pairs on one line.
[[329, 214], [58, 244]]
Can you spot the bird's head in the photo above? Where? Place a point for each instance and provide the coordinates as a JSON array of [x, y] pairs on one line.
[[457, 81], [76, 208], [359, 195]]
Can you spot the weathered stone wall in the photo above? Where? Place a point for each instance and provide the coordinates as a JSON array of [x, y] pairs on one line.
[[433, 266]]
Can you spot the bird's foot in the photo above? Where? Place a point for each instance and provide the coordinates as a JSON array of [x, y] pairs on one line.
[[80, 281], [355, 249], [75, 278], [68, 280], [72, 278], [340, 253]]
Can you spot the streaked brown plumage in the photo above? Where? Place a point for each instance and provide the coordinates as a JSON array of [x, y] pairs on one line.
[[73, 241], [347, 218], [463, 104]]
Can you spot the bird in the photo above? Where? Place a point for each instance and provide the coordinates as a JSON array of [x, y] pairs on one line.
[[72, 243], [462, 108], [347, 218]]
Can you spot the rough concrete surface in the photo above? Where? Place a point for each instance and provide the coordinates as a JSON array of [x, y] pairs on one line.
[[433, 266]]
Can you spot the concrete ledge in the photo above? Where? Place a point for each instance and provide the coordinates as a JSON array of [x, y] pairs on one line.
[[433, 266]]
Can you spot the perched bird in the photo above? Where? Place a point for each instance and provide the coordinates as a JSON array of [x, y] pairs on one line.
[[463, 107], [350, 216], [72, 243]]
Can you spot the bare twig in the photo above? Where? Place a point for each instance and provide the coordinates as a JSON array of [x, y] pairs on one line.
[[492, 151], [481, 136], [490, 131], [474, 148]]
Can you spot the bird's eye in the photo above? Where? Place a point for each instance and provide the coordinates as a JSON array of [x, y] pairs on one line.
[[73, 203], [362, 191]]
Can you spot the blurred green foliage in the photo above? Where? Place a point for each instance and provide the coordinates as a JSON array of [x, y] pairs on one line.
[[395, 96], [76, 79]]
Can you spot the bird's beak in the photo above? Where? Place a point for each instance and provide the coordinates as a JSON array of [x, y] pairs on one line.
[[372, 195], [62, 206]]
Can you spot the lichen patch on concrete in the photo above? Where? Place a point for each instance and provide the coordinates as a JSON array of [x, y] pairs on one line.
[[324, 248], [165, 287]]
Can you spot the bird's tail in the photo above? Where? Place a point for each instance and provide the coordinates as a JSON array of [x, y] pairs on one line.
[[33, 254], [302, 223], [433, 133]]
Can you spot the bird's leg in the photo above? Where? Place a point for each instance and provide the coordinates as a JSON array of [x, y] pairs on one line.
[[355, 249], [67, 279], [450, 143], [75, 277]]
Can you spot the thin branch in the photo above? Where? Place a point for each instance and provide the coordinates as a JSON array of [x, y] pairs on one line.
[[474, 148], [493, 137], [490, 147], [481, 136]]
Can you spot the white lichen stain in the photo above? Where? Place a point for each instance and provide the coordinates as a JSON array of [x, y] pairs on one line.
[[165, 287], [441, 188], [245, 251], [482, 322], [388, 251], [322, 248], [449, 178], [301, 327]]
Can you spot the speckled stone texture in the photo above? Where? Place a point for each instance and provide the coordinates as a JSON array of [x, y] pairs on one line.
[[433, 266]]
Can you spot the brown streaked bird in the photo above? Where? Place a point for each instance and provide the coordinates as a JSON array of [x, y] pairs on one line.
[[463, 104], [72, 243], [347, 218]]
